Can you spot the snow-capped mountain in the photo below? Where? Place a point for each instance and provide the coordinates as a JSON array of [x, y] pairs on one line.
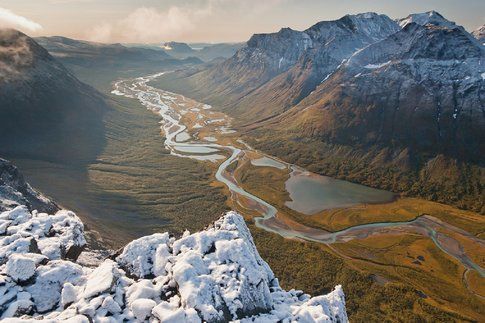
[[429, 76], [430, 17], [215, 275]]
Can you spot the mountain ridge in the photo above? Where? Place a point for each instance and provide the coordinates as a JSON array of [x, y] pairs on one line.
[[207, 52], [111, 60], [260, 67]]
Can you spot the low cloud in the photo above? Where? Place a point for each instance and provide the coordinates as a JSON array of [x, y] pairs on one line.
[[148, 24], [8, 19]]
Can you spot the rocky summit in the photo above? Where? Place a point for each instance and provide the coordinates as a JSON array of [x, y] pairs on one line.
[[479, 34], [215, 275]]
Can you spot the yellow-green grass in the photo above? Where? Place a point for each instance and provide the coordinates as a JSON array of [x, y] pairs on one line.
[[389, 256], [269, 184], [416, 261], [475, 283], [314, 268]]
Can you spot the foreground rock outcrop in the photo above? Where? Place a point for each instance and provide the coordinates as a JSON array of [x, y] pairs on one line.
[[215, 275]]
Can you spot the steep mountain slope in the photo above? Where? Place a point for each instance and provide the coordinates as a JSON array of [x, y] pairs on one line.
[[426, 75], [479, 34], [14, 191], [44, 110]]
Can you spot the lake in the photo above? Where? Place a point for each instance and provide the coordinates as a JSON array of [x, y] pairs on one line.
[[311, 193]]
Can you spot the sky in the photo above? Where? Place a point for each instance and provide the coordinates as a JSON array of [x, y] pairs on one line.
[[153, 21]]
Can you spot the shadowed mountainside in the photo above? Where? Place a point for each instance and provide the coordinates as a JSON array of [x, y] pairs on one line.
[[45, 111]]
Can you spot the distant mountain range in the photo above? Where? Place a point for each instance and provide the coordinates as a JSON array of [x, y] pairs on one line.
[[207, 52], [111, 60], [45, 111], [393, 104]]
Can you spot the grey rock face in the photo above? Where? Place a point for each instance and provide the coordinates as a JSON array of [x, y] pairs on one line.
[[433, 77], [275, 52], [279, 51], [479, 34], [430, 17], [430, 42], [15, 191]]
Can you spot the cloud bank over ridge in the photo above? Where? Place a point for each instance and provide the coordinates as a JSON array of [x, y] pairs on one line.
[[150, 24], [9, 19]]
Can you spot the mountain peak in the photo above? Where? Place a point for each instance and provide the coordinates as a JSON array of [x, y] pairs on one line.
[[285, 30], [365, 15], [177, 47], [416, 41], [430, 17], [369, 26], [19, 52]]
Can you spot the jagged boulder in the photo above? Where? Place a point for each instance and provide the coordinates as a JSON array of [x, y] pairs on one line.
[[56, 236], [215, 275]]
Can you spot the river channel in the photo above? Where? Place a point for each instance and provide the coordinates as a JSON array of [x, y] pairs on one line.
[[307, 192]]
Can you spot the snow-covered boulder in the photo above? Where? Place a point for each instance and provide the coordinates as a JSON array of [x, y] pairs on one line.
[[20, 267], [219, 272], [146, 256], [215, 275], [56, 236]]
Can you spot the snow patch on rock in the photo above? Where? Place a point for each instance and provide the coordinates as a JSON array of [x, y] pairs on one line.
[[215, 275]]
